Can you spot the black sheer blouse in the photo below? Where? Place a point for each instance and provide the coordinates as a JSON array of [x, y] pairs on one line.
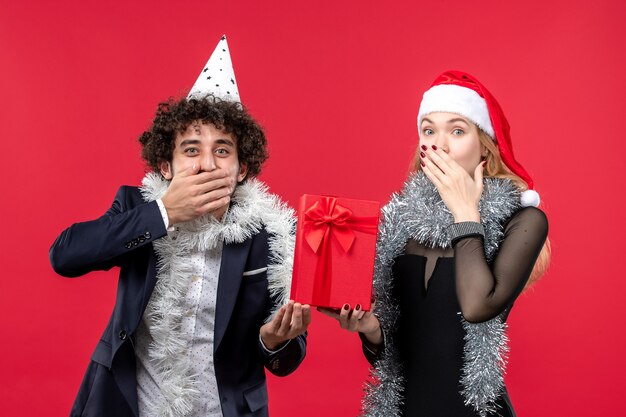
[[435, 289]]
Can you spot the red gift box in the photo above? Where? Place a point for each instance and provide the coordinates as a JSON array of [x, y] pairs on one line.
[[335, 249]]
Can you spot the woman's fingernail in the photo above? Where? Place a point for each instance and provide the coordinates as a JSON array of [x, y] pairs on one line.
[[346, 306], [424, 147], [483, 163], [358, 307], [422, 154], [434, 147]]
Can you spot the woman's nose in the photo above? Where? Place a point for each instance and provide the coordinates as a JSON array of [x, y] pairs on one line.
[[441, 141]]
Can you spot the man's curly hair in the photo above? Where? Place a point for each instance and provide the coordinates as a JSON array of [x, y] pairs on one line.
[[175, 116]]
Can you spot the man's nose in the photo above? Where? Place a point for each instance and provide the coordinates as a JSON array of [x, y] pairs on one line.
[[208, 163]]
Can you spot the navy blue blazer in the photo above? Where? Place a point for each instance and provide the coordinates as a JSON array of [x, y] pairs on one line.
[[123, 237]]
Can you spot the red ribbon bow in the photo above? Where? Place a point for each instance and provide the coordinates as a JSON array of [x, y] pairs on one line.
[[326, 218]]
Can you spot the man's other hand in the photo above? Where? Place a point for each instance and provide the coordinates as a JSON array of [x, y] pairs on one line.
[[291, 321]]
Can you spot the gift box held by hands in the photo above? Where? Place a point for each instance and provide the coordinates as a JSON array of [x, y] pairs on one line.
[[335, 249]]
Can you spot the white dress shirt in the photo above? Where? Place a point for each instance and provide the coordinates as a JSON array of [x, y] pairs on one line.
[[197, 331]]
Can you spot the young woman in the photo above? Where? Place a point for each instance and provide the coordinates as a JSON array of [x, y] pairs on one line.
[[456, 248]]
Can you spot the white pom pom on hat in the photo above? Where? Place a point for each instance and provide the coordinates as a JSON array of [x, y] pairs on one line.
[[460, 93], [530, 198]]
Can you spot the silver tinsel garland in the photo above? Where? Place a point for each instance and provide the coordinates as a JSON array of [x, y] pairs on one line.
[[419, 213], [252, 209]]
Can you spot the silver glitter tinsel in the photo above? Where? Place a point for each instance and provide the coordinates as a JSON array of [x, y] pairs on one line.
[[484, 360], [418, 212]]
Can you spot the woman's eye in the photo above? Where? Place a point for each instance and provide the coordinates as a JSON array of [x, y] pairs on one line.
[[457, 132], [428, 132]]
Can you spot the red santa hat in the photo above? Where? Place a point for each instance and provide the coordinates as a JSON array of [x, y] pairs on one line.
[[460, 93]]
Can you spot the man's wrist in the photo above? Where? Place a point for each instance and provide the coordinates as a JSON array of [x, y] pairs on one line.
[[164, 213], [270, 344]]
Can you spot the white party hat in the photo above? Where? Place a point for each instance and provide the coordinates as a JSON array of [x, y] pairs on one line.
[[218, 76]]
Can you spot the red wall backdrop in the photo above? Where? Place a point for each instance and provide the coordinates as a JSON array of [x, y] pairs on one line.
[[337, 85]]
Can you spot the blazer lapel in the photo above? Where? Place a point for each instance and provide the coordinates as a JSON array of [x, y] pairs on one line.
[[234, 258]]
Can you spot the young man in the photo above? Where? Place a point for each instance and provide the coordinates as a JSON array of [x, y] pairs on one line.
[[205, 255]]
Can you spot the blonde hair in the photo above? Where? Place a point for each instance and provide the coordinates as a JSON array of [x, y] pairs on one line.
[[494, 167]]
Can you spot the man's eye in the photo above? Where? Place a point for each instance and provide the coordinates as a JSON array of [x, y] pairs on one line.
[[221, 151], [191, 151]]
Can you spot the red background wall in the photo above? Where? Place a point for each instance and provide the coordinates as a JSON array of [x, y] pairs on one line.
[[337, 85]]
